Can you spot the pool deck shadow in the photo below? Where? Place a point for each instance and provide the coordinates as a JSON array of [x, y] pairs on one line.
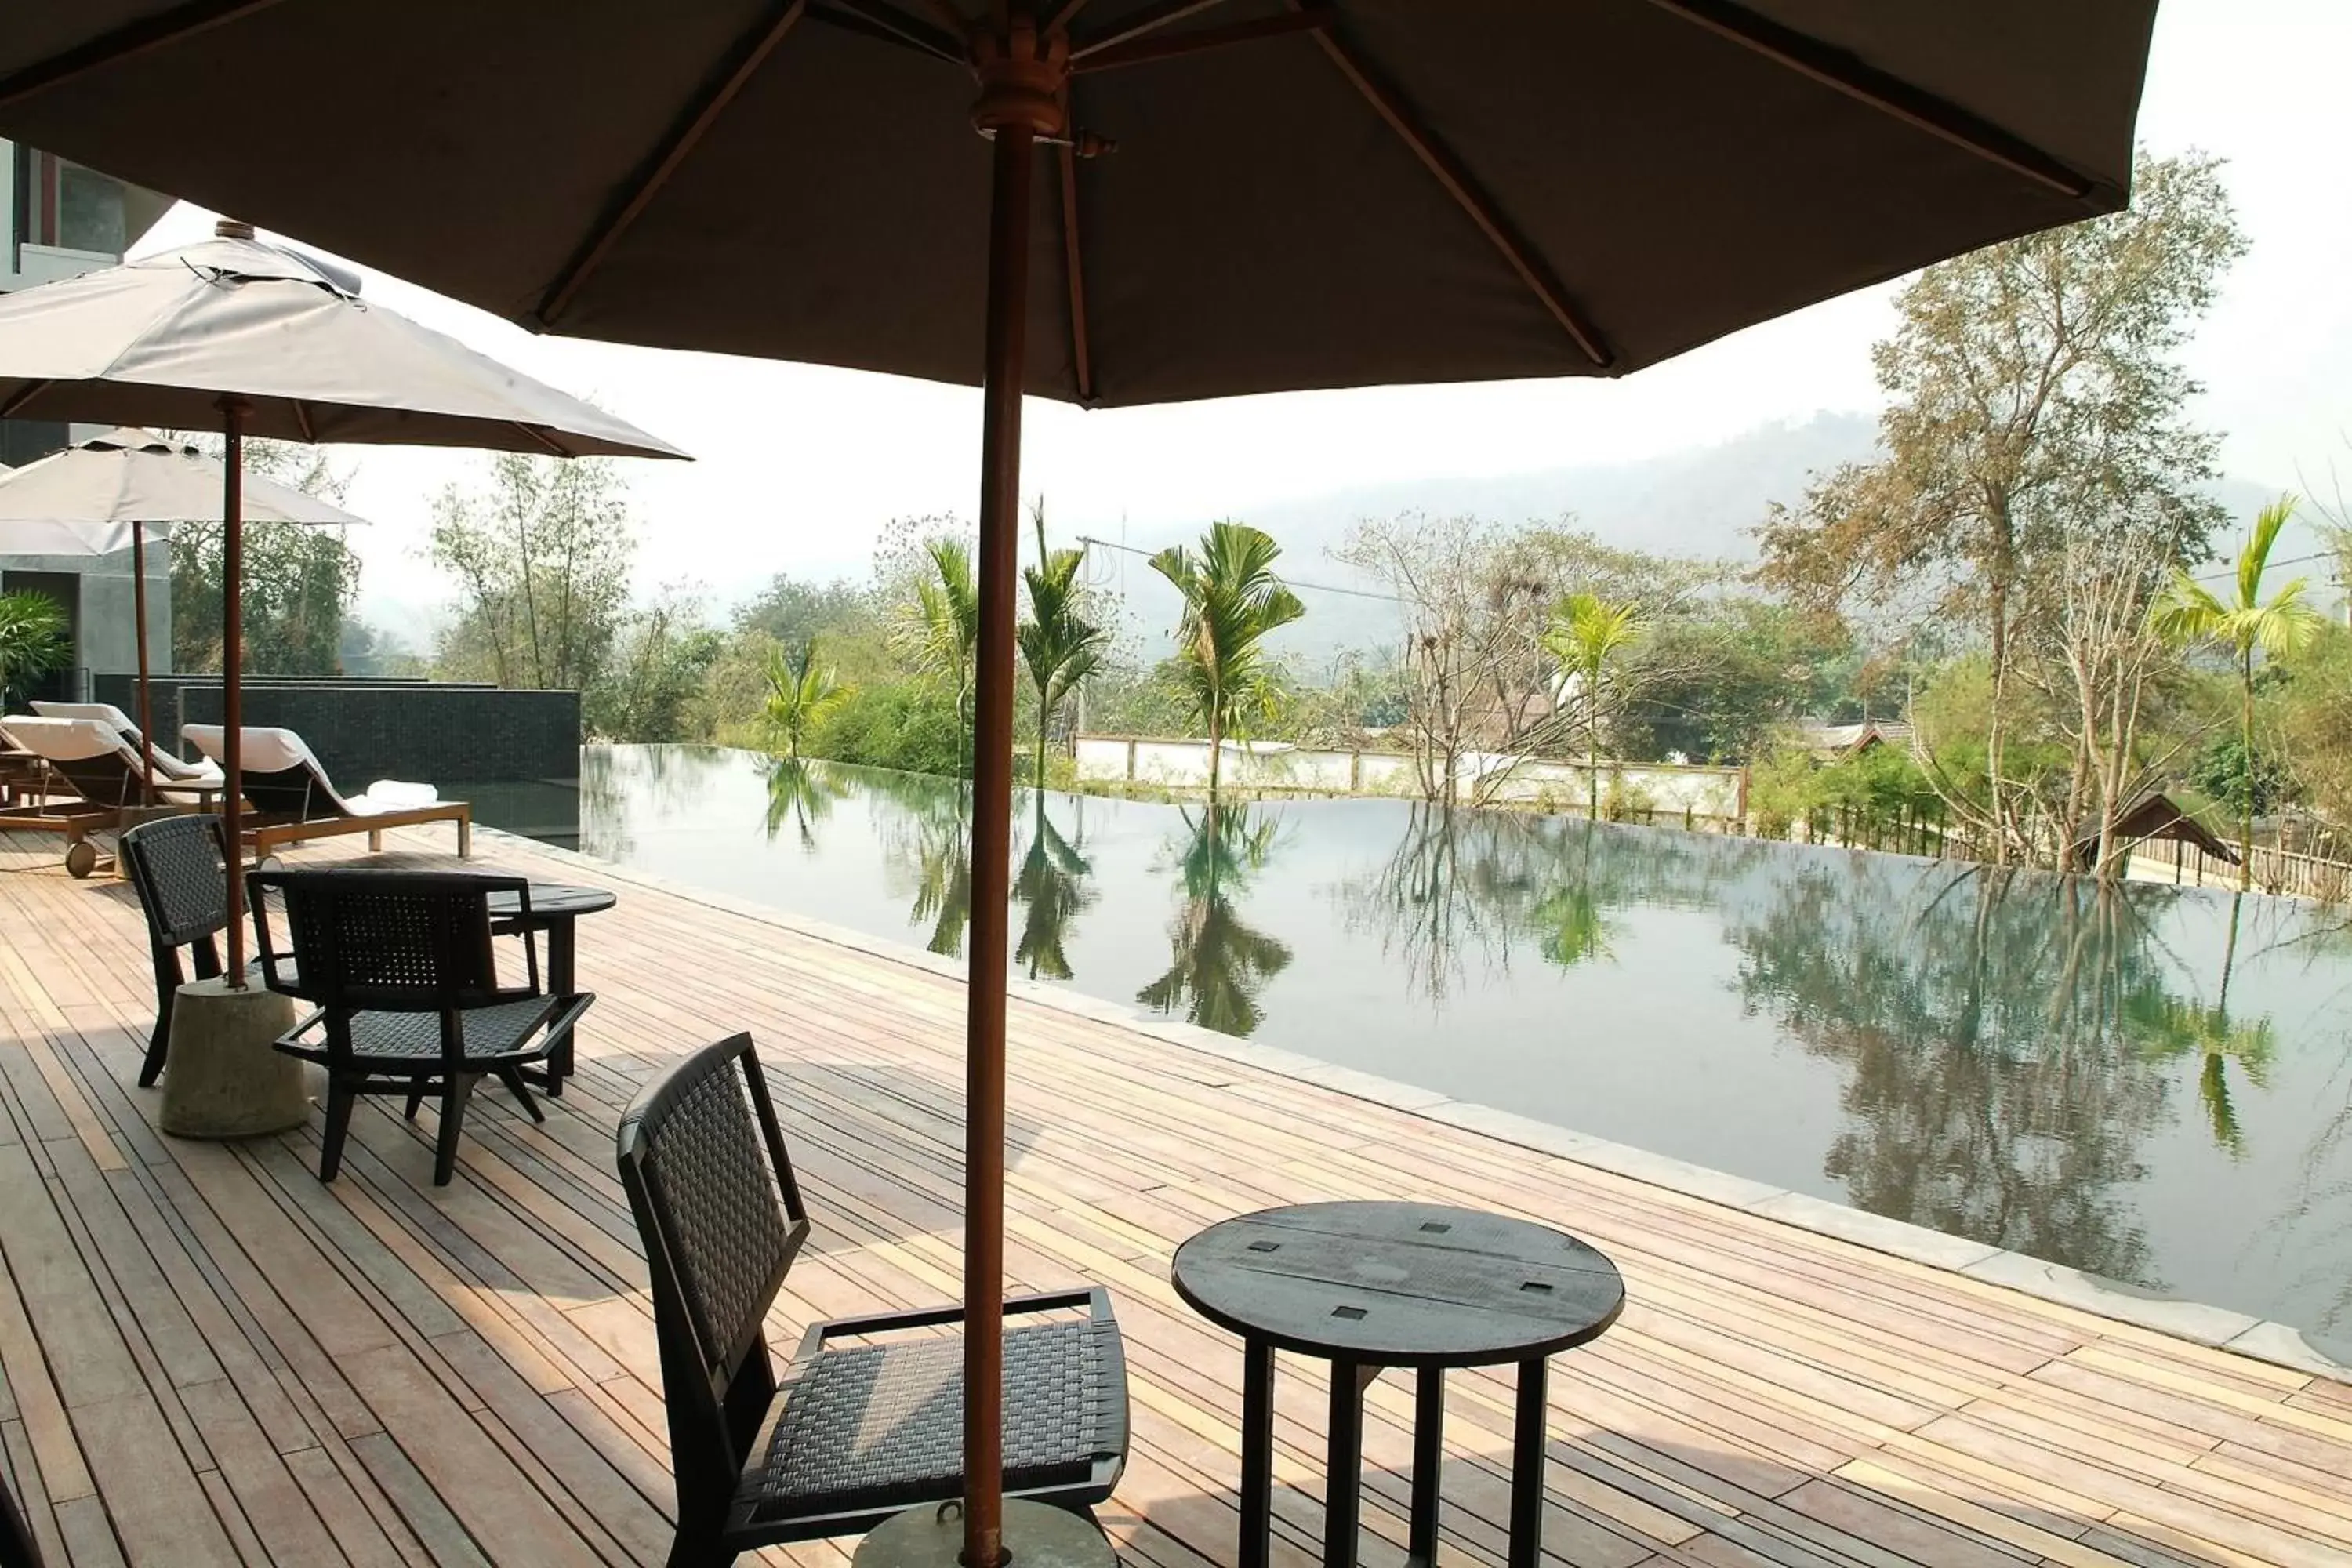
[[210, 1357]]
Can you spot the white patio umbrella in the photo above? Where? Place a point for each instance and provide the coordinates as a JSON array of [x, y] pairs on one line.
[[104, 494], [261, 340]]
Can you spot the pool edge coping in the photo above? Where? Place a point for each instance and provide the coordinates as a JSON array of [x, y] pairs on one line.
[[2216, 1328]]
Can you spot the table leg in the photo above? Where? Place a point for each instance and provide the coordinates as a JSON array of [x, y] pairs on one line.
[[562, 979], [1258, 1453], [1528, 1444], [1428, 1460], [1344, 1485]]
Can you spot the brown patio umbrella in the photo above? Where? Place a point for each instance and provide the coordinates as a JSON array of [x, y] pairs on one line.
[[269, 341], [1303, 194]]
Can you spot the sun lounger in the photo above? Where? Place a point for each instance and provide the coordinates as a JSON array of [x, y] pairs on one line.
[[295, 800], [169, 769], [103, 770]]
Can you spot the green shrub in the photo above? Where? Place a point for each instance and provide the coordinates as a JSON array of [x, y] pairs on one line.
[[911, 725]]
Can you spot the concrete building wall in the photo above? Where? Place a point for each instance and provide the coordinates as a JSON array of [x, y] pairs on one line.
[[106, 627]]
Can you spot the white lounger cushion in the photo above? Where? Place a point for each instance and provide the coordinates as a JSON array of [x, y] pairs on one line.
[[78, 740], [274, 751], [166, 765]]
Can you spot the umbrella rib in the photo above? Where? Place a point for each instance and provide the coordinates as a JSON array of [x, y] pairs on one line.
[[126, 43], [23, 395], [686, 133], [1465, 191], [1074, 261], [554, 448], [872, 19], [1843, 72], [302, 419], [1141, 50], [1147, 21]]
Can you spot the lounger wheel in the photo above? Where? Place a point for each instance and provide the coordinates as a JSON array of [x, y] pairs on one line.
[[82, 857]]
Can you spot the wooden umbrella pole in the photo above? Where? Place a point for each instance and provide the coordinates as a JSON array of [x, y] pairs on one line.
[[232, 807], [138, 615], [992, 854], [1022, 76]]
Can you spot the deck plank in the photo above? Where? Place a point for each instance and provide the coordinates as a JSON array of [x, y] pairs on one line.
[[205, 1356]]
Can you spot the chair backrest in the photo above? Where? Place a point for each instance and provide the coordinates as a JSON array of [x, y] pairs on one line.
[[703, 1162], [365, 940], [87, 754], [179, 866]]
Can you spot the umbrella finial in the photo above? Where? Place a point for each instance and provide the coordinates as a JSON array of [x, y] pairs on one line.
[[233, 228]]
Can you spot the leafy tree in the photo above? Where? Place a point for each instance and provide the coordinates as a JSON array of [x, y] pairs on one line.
[[657, 673], [942, 632], [2029, 384], [911, 725], [793, 612], [300, 581], [1588, 635], [2246, 624], [1060, 646], [1231, 601], [801, 691], [33, 642], [542, 556]]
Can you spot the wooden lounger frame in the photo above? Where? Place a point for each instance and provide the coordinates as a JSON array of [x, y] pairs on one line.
[[266, 835]]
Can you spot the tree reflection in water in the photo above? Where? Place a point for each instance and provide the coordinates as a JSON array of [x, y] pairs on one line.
[[801, 792], [662, 781], [928, 837], [1218, 964], [1986, 1017], [1050, 881]]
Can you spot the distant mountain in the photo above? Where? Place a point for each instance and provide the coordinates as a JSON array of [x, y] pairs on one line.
[[1703, 501]]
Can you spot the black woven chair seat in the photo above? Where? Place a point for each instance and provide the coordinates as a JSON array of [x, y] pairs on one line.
[[492, 1034], [880, 1426]]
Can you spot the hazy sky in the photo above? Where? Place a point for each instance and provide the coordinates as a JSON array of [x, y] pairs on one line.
[[798, 467]]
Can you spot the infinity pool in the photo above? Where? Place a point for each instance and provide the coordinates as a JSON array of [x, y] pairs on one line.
[[2153, 1084]]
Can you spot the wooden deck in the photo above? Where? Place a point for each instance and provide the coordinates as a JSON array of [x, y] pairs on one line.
[[211, 1358]]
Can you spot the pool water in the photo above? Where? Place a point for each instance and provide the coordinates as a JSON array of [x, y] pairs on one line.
[[2151, 1083]]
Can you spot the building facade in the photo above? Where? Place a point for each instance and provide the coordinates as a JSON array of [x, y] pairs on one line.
[[58, 219]]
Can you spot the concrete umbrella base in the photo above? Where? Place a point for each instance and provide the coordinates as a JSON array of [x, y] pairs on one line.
[[221, 1079], [1035, 1536]]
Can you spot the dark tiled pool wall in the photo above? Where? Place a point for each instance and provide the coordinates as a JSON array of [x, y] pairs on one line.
[[425, 731]]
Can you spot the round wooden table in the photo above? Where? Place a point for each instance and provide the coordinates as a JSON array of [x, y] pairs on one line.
[[556, 908], [1368, 1286]]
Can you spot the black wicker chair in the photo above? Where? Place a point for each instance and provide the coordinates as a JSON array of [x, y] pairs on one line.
[[868, 1419], [179, 866], [401, 968]]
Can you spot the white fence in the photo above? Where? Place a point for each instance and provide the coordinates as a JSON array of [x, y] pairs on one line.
[[1627, 789]]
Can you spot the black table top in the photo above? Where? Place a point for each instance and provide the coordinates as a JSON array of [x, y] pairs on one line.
[[557, 900], [1399, 1284]]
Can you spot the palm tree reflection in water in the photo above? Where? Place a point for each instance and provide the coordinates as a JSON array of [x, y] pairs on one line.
[[802, 793], [1052, 882], [1218, 964]]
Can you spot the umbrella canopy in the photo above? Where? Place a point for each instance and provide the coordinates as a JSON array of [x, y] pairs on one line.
[[91, 499], [1303, 194], [166, 335]]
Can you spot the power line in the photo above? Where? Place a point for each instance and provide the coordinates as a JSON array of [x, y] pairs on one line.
[[1290, 581]]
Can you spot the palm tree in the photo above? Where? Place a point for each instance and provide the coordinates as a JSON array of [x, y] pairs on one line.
[[1586, 635], [944, 634], [32, 640], [1060, 647], [2283, 624], [1232, 600], [800, 692]]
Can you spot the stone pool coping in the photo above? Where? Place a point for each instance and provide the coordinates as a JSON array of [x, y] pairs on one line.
[[2222, 1328]]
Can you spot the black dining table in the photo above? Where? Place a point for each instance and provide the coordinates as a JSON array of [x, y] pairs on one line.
[[1369, 1286], [555, 910]]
